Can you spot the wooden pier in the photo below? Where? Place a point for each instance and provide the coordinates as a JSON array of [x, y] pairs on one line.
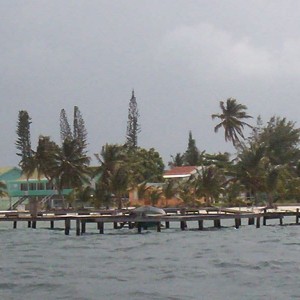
[[119, 219]]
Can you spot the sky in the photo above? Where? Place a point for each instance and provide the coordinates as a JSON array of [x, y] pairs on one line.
[[181, 57]]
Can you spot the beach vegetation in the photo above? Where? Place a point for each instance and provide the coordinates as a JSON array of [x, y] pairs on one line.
[[264, 169], [133, 126], [232, 120]]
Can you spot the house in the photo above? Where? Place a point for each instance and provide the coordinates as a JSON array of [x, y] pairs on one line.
[[153, 190], [181, 172], [7, 175], [20, 189]]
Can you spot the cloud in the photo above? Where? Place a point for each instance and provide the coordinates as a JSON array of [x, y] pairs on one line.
[[214, 51]]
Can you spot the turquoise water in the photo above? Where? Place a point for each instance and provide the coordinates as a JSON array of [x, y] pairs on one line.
[[228, 263]]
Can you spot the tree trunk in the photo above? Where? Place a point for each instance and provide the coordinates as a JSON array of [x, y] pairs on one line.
[[33, 203]]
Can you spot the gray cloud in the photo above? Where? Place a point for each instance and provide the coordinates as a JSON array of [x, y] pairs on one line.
[[181, 57]]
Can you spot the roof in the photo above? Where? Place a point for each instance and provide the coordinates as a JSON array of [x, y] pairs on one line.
[[5, 169], [180, 172], [33, 177], [9, 173]]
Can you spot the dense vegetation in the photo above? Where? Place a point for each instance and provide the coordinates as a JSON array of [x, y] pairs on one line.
[[265, 167]]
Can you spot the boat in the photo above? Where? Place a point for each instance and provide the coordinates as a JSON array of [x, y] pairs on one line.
[[148, 211]]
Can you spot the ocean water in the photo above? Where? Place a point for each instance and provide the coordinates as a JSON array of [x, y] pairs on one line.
[[227, 263]]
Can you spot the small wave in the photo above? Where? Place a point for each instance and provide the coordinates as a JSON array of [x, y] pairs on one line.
[[8, 285]]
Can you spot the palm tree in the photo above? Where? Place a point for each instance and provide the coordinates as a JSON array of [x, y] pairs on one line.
[[169, 189], [232, 117], [250, 169], [109, 172], [209, 183], [186, 192], [45, 157], [118, 182], [177, 160], [72, 169]]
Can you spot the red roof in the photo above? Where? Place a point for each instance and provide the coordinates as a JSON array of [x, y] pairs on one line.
[[180, 171]]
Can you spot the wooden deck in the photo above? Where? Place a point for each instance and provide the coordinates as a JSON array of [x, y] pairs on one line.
[[119, 219]]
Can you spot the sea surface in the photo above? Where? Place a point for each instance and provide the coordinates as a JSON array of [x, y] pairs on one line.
[[226, 263]]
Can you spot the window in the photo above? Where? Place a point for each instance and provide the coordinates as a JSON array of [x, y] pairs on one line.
[[32, 186], [40, 186], [23, 186]]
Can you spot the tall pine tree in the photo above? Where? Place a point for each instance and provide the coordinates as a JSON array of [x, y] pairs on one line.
[[65, 129], [79, 130], [191, 156], [133, 127], [23, 142]]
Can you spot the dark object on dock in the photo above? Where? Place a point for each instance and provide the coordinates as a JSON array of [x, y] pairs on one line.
[[147, 211]]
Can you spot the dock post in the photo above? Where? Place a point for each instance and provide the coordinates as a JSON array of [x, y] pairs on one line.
[[200, 224], [139, 226], [83, 226], [101, 227], [297, 216], [67, 226], [167, 224], [29, 224], [158, 227], [281, 220], [77, 227], [183, 225], [258, 222], [115, 225], [217, 223], [52, 224], [237, 222], [34, 224], [15, 224], [264, 221], [251, 221]]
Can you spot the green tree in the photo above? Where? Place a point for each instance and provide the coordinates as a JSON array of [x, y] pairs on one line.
[[112, 159], [133, 127], [186, 192], [169, 189], [79, 130], [144, 165], [177, 160], [232, 117], [23, 143], [209, 183], [65, 128], [72, 168], [45, 157], [191, 156], [119, 184], [281, 139], [250, 169]]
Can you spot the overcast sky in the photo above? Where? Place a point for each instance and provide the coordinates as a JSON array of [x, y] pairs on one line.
[[180, 57]]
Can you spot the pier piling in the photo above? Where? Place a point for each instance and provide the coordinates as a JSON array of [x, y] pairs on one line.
[[101, 227], [67, 226], [83, 227], [77, 227], [258, 222], [200, 224]]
